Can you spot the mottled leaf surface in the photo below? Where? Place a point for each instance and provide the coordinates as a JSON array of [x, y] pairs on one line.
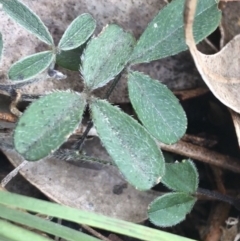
[[170, 209], [27, 19], [131, 147], [106, 56], [30, 66], [181, 176], [157, 108], [164, 36], [47, 123], [77, 32]]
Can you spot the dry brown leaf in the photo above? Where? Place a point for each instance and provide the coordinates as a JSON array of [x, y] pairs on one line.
[[94, 187], [220, 71], [230, 23]]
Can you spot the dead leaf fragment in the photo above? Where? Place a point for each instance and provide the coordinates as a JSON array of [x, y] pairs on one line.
[[220, 71]]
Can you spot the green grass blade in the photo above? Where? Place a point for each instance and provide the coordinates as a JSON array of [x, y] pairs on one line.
[[30, 66], [88, 218], [129, 144], [43, 225], [15, 233], [47, 123], [181, 176], [78, 32], [27, 19], [170, 209], [157, 108], [165, 36], [105, 56]]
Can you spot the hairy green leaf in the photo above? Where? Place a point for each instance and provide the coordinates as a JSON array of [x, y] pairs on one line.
[[42, 224], [70, 59], [106, 56], [12, 232], [131, 147], [78, 32], [157, 108], [164, 36], [27, 19], [88, 218], [170, 209], [47, 123], [181, 176], [1, 46], [30, 66]]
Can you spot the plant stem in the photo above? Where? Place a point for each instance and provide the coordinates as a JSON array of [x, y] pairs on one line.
[[216, 195], [79, 144]]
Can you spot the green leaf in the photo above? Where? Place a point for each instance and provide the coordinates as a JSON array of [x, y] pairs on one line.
[[70, 59], [27, 19], [78, 32], [170, 209], [181, 176], [30, 66], [87, 218], [13, 232], [164, 36], [47, 123], [131, 147], [157, 108], [42, 224], [1, 46], [106, 56]]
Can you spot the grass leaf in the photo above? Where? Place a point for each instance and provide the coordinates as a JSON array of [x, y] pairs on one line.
[[11, 232], [42, 224], [87, 218]]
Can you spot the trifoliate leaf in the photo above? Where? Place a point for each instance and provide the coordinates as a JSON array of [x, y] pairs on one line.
[[106, 56], [30, 66], [25, 17], [47, 123], [164, 35], [170, 209], [77, 32], [128, 143], [157, 108], [181, 176]]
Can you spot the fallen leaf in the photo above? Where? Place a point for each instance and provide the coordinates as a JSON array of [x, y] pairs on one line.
[[230, 23], [90, 187], [219, 71]]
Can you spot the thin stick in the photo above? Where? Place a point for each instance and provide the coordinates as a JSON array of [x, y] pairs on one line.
[[203, 154], [95, 233], [12, 174]]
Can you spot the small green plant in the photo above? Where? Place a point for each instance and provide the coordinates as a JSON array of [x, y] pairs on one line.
[[48, 122]]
